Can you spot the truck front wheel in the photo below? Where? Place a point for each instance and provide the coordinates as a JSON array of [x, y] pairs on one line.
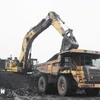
[[92, 92], [64, 85]]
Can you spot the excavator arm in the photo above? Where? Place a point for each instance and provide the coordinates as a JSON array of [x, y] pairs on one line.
[[51, 19]]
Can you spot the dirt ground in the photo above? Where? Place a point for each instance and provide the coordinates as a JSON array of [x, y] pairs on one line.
[[13, 96], [19, 87]]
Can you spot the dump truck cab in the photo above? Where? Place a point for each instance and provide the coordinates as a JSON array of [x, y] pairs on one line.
[[72, 70], [87, 66]]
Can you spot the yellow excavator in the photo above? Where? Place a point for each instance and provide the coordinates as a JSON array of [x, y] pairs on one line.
[[25, 61]]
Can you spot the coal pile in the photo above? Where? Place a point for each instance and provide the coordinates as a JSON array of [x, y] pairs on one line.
[[18, 84], [14, 81], [23, 87]]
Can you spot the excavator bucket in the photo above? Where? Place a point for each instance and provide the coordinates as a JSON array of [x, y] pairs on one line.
[[69, 42]]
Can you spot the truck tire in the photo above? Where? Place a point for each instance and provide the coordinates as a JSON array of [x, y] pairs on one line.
[[42, 84], [64, 86], [92, 92]]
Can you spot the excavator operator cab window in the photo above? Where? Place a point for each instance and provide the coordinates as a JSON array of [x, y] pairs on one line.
[[34, 62]]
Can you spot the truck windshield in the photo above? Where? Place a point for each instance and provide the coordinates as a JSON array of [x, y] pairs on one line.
[[96, 62], [92, 60]]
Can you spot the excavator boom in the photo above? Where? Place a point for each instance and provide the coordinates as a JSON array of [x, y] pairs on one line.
[[28, 39]]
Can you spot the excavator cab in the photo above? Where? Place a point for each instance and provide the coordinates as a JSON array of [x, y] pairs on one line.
[[34, 62]]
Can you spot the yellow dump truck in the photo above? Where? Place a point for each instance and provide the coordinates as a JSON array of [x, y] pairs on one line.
[[69, 71]]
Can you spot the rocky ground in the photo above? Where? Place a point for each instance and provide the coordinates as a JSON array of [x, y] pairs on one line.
[[19, 87], [12, 95]]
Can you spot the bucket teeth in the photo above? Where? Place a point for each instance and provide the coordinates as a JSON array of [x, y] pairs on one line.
[[68, 42]]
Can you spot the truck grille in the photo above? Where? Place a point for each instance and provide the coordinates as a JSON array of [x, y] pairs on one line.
[[94, 75]]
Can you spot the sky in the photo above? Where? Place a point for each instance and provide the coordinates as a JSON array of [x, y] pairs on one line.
[[17, 17]]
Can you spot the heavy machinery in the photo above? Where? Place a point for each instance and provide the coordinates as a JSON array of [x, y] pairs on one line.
[[70, 71], [24, 63]]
